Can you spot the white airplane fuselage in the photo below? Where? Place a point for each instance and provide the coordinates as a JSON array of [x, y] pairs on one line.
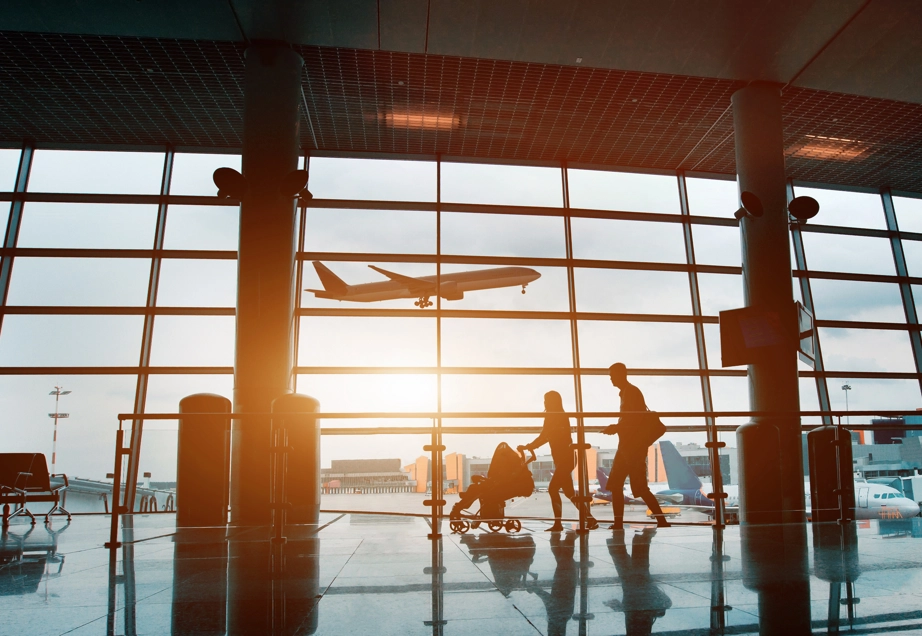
[[453, 286]]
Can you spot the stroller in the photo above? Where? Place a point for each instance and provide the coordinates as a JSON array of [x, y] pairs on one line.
[[508, 477]]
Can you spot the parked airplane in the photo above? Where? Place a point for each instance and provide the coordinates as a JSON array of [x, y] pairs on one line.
[[452, 287], [603, 495], [872, 501]]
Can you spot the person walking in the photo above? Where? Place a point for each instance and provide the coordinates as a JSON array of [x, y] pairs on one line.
[[556, 432], [636, 432]]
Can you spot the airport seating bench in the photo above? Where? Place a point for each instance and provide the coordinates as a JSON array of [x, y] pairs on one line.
[[24, 479]]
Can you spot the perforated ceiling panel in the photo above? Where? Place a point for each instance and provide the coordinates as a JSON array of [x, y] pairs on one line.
[[66, 89]]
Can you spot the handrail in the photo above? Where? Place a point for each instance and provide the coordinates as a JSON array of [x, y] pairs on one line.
[[452, 415]]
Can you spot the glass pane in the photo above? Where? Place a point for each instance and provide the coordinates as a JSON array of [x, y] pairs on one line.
[[639, 345], [547, 293], [88, 225], [193, 173], [200, 227], [503, 393], [381, 231], [847, 209], [85, 171], [79, 281], [360, 274], [193, 341], [912, 251], [868, 395], [809, 401], [506, 343], [372, 179], [854, 300], [70, 340], [86, 439], [503, 235], [717, 245], [197, 283], [632, 291], [866, 350], [623, 191], [9, 166], [712, 197], [395, 393], [616, 240], [501, 185], [712, 345], [730, 393], [855, 254], [384, 342], [720, 292], [908, 213]]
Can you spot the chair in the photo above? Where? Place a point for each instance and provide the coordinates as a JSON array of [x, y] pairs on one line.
[[24, 479]]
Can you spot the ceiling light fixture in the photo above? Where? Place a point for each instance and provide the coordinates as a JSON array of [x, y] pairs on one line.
[[827, 148], [422, 120]]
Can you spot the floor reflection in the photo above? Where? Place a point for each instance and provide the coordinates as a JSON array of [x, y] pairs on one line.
[[27, 557], [381, 577], [642, 599]]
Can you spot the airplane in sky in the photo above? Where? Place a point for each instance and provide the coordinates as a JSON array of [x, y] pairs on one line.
[[872, 501], [422, 288]]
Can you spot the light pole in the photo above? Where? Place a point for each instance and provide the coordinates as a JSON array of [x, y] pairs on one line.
[[57, 393], [846, 387]]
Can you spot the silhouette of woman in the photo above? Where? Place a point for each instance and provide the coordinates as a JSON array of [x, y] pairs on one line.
[[556, 432]]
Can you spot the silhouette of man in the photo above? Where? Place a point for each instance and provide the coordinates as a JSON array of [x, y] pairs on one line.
[[631, 458], [643, 601], [556, 432], [561, 600]]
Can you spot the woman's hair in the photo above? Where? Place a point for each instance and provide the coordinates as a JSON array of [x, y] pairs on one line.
[[553, 401]]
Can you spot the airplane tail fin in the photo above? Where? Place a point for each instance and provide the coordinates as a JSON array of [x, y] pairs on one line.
[[678, 472], [330, 281], [603, 479]]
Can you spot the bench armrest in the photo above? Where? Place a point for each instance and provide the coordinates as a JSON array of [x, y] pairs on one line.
[[66, 483], [20, 476]]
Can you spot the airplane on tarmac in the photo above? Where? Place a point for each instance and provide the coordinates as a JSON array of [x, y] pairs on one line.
[[872, 501], [452, 287]]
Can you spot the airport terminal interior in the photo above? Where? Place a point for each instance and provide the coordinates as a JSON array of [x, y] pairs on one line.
[[285, 286]]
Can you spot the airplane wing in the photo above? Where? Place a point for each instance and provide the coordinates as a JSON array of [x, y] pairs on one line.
[[415, 285]]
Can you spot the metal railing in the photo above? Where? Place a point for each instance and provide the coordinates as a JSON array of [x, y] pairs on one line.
[[436, 448]]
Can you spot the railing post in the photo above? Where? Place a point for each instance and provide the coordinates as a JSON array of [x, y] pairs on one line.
[[117, 507], [718, 495], [436, 502]]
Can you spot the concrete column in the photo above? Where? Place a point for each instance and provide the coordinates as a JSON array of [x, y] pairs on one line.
[[266, 267], [770, 442]]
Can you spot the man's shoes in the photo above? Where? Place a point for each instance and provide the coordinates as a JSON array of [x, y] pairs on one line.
[[661, 521], [591, 523], [555, 528]]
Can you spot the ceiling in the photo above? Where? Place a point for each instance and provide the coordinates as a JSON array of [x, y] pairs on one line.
[[617, 83]]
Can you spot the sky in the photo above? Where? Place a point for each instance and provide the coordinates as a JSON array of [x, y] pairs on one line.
[[86, 438]]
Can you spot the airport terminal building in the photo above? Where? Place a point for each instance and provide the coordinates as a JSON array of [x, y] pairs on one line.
[[247, 243]]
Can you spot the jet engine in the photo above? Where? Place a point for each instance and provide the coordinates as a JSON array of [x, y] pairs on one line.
[[450, 291]]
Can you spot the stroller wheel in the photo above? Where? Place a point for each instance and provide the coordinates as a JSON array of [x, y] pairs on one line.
[[513, 525], [460, 526], [495, 526]]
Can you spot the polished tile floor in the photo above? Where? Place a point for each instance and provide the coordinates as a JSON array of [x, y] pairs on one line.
[[372, 574]]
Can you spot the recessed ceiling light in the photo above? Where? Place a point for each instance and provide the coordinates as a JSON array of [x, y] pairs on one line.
[[827, 148], [422, 119], [579, 60]]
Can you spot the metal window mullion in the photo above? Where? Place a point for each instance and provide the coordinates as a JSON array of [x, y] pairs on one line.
[[583, 471], [800, 259], [147, 335], [899, 261], [11, 238], [701, 348], [299, 276], [436, 496]]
